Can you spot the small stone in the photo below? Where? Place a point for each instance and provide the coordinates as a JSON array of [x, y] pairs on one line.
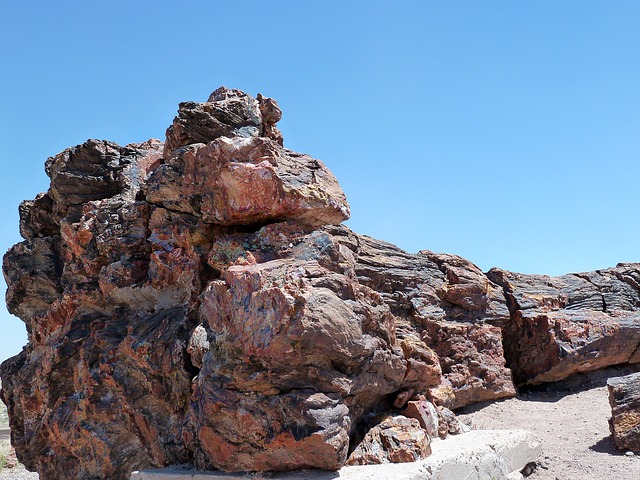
[[426, 413], [528, 469], [449, 423], [198, 345], [629, 453]]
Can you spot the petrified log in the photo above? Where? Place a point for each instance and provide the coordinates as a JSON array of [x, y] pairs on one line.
[[572, 323], [624, 398], [198, 302]]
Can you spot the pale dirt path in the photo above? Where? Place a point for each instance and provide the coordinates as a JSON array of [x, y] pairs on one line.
[[571, 419]]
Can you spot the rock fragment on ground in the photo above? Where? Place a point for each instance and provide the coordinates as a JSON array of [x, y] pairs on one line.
[[396, 439], [624, 398]]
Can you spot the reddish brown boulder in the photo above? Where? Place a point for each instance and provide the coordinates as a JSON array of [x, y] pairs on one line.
[[624, 397], [454, 310], [241, 181], [472, 361], [396, 439], [238, 431], [108, 282], [280, 330], [158, 308], [107, 392]]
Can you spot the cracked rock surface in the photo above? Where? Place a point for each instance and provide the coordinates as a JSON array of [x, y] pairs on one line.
[[572, 323], [197, 301]]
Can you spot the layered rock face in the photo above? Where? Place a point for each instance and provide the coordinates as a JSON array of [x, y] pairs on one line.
[[571, 323], [197, 301]]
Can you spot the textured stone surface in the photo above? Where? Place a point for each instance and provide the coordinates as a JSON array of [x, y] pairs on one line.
[[571, 323], [174, 318], [227, 112], [449, 306], [449, 423], [396, 439], [109, 280], [196, 301], [624, 398], [245, 181]]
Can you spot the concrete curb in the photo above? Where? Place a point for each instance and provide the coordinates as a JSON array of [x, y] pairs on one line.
[[476, 455]]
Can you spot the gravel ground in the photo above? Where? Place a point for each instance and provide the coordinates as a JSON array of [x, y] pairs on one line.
[[571, 419], [18, 473]]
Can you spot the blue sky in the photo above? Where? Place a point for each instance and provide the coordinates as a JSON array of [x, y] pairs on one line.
[[506, 132]]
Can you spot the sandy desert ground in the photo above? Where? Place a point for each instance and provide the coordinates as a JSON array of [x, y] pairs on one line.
[[571, 419]]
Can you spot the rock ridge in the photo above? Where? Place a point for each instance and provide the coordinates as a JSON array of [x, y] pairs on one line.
[[198, 301]]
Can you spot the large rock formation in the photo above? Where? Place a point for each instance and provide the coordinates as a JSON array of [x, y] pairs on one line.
[[198, 302]]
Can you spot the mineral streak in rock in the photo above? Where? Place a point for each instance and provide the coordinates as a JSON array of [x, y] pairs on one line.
[[197, 301]]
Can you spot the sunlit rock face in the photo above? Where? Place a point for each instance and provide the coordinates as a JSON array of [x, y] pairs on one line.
[[197, 301]]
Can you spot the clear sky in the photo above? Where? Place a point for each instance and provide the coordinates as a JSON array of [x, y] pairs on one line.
[[507, 132]]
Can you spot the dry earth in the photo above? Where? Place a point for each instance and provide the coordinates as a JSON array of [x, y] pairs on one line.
[[570, 417]]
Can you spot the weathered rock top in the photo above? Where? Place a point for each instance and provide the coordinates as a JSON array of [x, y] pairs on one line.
[[227, 113], [197, 301]]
